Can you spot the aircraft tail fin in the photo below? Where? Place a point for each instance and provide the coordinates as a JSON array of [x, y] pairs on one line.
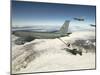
[[64, 28]]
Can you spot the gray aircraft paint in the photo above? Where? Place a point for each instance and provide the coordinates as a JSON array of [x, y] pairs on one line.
[[44, 35]]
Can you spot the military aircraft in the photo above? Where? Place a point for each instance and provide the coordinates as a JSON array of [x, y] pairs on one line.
[[29, 35], [79, 19], [92, 25]]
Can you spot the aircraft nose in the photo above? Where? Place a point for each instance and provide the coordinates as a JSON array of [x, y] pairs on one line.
[[13, 32]]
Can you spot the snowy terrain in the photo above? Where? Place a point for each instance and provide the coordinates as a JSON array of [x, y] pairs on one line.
[[42, 55]]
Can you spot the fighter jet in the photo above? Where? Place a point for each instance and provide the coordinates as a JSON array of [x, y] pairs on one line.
[[92, 25], [29, 35], [79, 19]]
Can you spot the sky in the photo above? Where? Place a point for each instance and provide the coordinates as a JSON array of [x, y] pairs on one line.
[[36, 13]]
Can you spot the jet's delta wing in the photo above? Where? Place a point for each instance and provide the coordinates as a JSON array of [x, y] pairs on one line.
[[92, 25], [79, 19]]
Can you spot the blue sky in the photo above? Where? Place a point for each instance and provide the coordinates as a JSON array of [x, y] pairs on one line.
[[34, 13]]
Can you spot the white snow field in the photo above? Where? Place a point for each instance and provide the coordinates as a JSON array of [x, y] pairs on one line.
[[42, 55]]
